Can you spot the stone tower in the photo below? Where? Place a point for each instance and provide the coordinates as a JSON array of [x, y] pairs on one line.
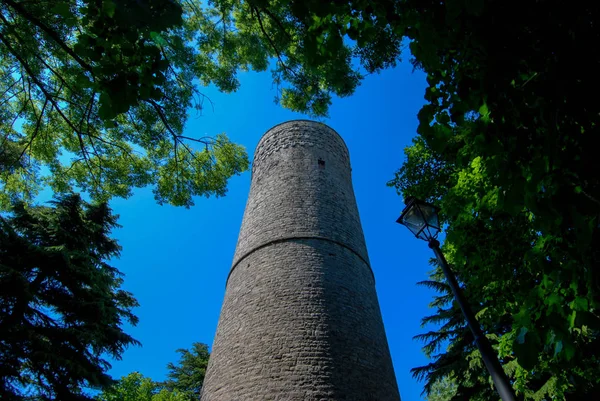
[[300, 319]]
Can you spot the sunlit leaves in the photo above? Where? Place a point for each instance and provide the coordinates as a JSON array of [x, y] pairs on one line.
[[184, 382], [96, 95], [198, 172], [136, 387], [88, 82]]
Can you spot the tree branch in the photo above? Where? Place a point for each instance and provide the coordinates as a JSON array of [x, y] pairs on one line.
[[30, 17], [73, 164], [35, 132], [178, 179], [274, 18], [163, 118], [10, 87], [206, 140], [192, 165], [50, 99], [184, 84], [262, 28], [9, 99], [37, 56], [590, 197]]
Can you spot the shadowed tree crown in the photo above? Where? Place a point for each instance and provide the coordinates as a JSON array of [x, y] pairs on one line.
[[61, 305]]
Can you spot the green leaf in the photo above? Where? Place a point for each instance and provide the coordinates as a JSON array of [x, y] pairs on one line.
[[108, 7], [105, 111], [156, 37], [62, 9], [484, 113], [572, 317], [558, 346], [554, 299], [521, 335], [580, 304], [569, 350]]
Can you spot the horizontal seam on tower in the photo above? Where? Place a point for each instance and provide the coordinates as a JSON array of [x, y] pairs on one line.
[[276, 241]]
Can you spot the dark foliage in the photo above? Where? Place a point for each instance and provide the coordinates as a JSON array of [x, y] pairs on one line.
[[506, 148], [187, 376], [61, 306]]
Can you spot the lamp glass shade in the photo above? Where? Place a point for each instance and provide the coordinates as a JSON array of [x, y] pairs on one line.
[[421, 219], [430, 215], [413, 220]]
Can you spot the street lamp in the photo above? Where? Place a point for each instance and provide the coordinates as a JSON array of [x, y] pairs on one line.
[[422, 220]]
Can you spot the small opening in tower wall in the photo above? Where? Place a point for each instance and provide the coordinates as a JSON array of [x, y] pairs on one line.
[[321, 163]]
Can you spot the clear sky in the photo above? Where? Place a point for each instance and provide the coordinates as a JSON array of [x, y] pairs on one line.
[[176, 260]]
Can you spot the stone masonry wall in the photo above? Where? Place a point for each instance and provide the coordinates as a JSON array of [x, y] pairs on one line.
[[300, 319]]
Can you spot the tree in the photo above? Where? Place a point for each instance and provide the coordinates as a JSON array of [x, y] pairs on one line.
[[61, 305], [188, 375], [184, 382], [95, 94], [461, 355], [135, 387], [505, 148], [98, 92], [442, 390]]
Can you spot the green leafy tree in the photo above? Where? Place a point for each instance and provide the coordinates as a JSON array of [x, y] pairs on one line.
[[98, 93], [187, 375], [544, 328], [184, 380], [321, 48], [505, 148], [442, 390], [461, 355], [135, 387], [61, 306], [95, 94]]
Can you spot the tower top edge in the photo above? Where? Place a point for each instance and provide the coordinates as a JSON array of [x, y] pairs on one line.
[[290, 122]]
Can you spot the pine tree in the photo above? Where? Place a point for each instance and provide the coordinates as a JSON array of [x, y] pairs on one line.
[[61, 306], [187, 375]]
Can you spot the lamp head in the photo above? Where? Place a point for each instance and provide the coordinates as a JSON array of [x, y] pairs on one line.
[[421, 218]]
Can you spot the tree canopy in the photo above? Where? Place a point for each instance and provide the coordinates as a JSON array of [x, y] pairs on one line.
[[61, 305], [184, 381], [96, 94], [505, 147], [136, 387], [443, 389], [187, 375]]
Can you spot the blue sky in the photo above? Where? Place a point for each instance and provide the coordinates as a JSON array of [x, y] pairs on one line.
[[176, 260]]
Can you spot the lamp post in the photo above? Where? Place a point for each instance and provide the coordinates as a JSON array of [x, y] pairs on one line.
[[422, 220]]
